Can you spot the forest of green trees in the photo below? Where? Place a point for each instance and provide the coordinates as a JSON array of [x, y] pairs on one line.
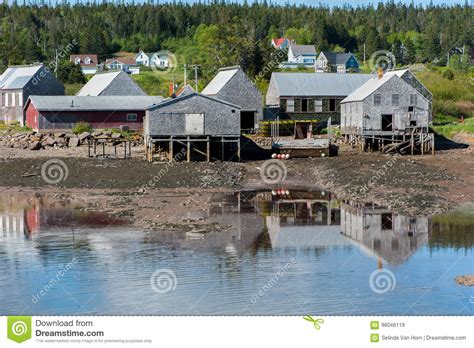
[[219, 33]]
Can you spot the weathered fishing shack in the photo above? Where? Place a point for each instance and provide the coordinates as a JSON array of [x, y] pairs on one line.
[[391, 112], [232, 85], [195, 126]]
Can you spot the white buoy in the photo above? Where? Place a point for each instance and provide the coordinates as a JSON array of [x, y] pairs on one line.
[[274, 155], [287, 156]]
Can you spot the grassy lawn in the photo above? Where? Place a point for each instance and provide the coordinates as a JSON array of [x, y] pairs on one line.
[[449, 130]]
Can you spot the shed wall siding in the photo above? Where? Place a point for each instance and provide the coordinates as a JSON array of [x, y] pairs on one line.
[[170, 119], [97, 119], [242, 92], [400, 119], [354, 121]]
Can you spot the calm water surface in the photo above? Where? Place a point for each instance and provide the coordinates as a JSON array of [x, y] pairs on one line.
[[291, 253]]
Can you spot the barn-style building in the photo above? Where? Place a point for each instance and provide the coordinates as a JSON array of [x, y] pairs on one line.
[[17, 83], [232, 85], [389, 112], [53, 113]]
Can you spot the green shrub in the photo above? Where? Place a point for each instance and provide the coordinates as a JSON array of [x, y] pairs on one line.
[[81, 127], [448, 74]]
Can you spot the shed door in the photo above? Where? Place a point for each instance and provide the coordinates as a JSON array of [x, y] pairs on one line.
[[194, 124]]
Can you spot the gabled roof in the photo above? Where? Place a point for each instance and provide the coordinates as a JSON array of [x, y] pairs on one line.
[[303, 50], [140, 52], [184, 90], [372, 85], [92, 103], [123, 60], [98, 83], [161, 53], [16, 77], [402, 72], [336, 58], [223, 76], [368, 88], [82, 57], [313, 84], [191, 95], [277, 42]]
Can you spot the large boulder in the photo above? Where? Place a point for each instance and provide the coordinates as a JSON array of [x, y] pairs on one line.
[[73, 142], [35, 145], [83, 136]]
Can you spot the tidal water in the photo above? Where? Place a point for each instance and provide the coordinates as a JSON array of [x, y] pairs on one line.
[[290, 252]]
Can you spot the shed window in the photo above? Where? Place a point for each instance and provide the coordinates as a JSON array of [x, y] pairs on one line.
[[290, 105], [332, 104], [395, 99], [132, 117], [413, 99], [377, 99], [318, 105]]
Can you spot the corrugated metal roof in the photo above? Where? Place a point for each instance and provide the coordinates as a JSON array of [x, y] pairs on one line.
[[219, 81], [93, 103], [16, 77], [368, 88], [303, 49], [98, 83], [313, 84]]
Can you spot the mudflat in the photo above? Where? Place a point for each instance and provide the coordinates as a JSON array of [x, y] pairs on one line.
[[158, 194]]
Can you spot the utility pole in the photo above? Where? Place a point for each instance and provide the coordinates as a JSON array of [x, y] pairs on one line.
[[56, 62], [364, 54], [185, 74], [195, 67], [447, 64]]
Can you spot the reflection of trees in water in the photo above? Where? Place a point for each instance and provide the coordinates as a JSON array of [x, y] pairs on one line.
[[454, 230]]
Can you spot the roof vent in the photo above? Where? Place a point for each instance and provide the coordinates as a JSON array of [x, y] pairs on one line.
[[72, 103]]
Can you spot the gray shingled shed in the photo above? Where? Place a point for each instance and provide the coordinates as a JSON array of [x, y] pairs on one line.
[[195, 125], [389, 112], [17, 83], [233, 85], [116, 83]]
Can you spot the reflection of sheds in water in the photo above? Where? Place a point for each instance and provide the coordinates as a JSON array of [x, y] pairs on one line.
[[245, 232], [29, 214], [392, 237]]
